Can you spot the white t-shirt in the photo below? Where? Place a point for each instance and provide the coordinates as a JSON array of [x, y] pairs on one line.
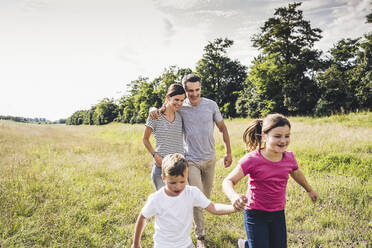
[[173, 216]]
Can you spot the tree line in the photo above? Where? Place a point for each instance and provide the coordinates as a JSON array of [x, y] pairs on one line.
[[288, 76], [31, 120]]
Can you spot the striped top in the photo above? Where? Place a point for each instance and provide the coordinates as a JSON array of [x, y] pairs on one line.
[[168, 135]]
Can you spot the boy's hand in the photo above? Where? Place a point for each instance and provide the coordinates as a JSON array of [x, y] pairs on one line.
[[154, 113], [240, 202], [136, 246]]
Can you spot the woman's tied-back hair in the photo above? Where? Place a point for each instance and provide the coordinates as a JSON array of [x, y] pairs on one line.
[[174, 165], [252, 135], [173, 90]]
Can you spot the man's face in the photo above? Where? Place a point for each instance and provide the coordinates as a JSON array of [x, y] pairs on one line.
[[193, 90]]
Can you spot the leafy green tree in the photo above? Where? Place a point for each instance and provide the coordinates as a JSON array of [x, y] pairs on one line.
[[133, 107], [335, 87], [362, 74], [90, 116], [260, 95], [346, 85], [126, 109], [286, 43], [77, 118], [105, 112], [334, 92], [222, 77]]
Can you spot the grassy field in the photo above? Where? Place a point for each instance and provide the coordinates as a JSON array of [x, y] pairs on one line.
[[83, 186]]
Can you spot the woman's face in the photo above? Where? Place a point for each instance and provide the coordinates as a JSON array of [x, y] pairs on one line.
[[277, 139], [175, 102]]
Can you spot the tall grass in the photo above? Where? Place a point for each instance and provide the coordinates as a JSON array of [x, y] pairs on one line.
[[83, 186]]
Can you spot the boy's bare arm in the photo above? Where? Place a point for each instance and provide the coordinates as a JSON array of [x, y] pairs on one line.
[[140, 225], [218, 208]]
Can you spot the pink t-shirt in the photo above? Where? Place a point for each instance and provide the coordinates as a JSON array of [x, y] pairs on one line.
[[267, 180]]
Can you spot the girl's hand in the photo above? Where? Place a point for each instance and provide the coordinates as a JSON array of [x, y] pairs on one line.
[[240, 202], [313, 195], [158, 160]]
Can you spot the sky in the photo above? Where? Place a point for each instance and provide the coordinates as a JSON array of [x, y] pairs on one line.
[[60, 56]]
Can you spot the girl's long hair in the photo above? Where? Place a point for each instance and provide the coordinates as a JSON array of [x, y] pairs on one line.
[[252, 135], [173, 90]]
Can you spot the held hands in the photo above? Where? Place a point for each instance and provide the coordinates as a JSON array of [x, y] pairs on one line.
[[240, 202], [136, 246], [313, 195], [227, 160]]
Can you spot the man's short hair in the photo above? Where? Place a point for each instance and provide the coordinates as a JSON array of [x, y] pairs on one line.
[[174, 165], [192, 78]]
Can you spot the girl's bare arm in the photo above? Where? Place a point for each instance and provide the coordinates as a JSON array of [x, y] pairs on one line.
[[299, 177]]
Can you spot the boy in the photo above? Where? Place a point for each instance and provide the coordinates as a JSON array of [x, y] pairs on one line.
[[173, 206]]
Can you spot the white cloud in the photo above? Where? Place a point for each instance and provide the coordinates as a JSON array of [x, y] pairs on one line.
[[58, 56], [346, 19]]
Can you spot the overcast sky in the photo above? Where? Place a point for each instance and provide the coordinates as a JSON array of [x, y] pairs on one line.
[[60, 56]]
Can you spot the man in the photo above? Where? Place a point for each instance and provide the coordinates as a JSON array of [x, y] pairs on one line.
[[199, 115]]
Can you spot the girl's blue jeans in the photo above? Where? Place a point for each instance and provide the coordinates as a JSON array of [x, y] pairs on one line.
[[265, 229]]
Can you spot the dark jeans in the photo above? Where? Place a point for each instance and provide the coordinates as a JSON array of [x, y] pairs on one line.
[[265, 229]]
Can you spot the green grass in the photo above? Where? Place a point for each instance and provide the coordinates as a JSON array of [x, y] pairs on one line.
[[83, 186]]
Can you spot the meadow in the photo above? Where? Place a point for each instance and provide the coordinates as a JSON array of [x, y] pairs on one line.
[[83, 186]]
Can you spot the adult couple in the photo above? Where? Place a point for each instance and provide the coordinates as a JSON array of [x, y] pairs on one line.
[[186, 127]]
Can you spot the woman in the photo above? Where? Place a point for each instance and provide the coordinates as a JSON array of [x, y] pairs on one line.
[[167, 131]]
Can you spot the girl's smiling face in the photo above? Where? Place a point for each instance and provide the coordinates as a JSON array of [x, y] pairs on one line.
[[277, 139]]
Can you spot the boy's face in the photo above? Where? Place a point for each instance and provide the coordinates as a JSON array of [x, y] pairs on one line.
[[174, 185]]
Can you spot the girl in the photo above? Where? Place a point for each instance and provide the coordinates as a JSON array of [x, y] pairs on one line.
[[167, 130], [268, 168]]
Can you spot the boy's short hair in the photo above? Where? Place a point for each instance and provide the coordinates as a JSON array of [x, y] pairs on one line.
[[174, 165]]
